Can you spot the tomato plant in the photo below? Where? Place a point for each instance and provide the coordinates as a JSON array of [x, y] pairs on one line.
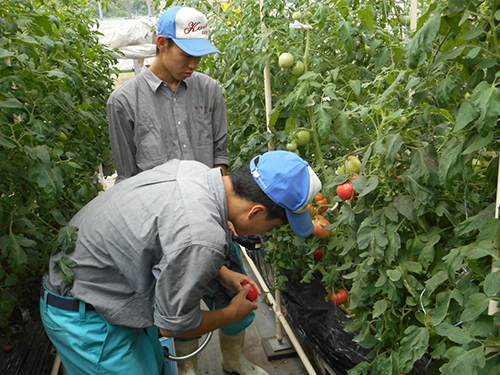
[[56, 79], [416, 253], [340, 297], [252, 293]]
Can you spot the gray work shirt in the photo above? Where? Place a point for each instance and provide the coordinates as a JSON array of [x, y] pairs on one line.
[[150, 124], [148, 247]]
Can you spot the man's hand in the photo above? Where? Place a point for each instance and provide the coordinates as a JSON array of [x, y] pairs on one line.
[[235, 280]]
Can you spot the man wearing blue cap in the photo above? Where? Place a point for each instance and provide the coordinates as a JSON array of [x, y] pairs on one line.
[[148, 247], [171, 111]]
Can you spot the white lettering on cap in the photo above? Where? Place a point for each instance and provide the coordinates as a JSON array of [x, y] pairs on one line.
[[191, 24]]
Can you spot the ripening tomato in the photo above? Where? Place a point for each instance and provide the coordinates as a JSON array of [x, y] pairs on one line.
[[318, 254], [252, 294], [323, 202], [353, 164], [319, 231], [318, 196], [340, 297]]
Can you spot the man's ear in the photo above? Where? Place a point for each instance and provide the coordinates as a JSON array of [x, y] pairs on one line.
[[256, 210], [161, 43]]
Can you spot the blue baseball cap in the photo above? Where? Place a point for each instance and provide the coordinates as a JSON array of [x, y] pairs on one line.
[[188, 28], [291, 183]]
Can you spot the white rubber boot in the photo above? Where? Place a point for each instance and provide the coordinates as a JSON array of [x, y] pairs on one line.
[[233, 358], [188, 366]]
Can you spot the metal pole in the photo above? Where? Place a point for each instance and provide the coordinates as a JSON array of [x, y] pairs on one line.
[[100, 10], [129, 9]]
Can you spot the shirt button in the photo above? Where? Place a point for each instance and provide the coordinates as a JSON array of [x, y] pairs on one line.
[[184, 146], [178, 122], [175, 99]]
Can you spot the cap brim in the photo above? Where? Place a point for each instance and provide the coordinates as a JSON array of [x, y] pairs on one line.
[[196, 47], [301, 224]]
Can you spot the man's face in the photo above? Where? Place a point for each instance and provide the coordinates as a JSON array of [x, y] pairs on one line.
[[178, 63], [257, 226]]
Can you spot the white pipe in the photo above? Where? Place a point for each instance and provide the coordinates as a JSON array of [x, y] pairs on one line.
[[279, 315], [56, 365], [493, 307], [413, 14]]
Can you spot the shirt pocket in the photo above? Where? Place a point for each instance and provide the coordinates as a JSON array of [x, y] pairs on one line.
[[202, 131], [149, 143]]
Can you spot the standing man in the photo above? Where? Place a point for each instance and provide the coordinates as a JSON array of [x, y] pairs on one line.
[[146, 250], [170, 111]]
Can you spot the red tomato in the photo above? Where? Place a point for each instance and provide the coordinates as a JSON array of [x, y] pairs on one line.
[[345, 191], [252, 294], [340, 298], [319, 231], [318, 196], [318, 254]]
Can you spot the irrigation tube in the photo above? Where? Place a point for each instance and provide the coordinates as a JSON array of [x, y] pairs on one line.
[[279, 315]]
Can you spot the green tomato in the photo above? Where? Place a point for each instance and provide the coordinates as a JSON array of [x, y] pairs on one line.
[[352, 164], [467, 97], [302, 137], [298, 68], [308, 15], [285, 60], [291, 146], [63, 137], [404, 20], [340, 170], [296, 16]]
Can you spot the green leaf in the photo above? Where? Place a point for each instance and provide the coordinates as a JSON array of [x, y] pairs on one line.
[[463, 362], [404, 205], [413, 347], [379, 308], [476, 222], [5, 142], [65, 265], [367, 18], [451, 162], [455, 334], [11, 103], [475, 306], [421, 44], [47, 177], [438, 314], [472, 34], [393, 144], [492, 284], [466, 114]]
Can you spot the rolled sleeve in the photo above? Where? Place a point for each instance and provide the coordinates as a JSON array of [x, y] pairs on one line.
[[182, 277]]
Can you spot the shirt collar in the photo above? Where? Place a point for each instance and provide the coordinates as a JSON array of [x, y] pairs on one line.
[[154, 82]]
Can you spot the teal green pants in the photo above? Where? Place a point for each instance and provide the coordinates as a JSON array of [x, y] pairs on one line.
[[90, 345]]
